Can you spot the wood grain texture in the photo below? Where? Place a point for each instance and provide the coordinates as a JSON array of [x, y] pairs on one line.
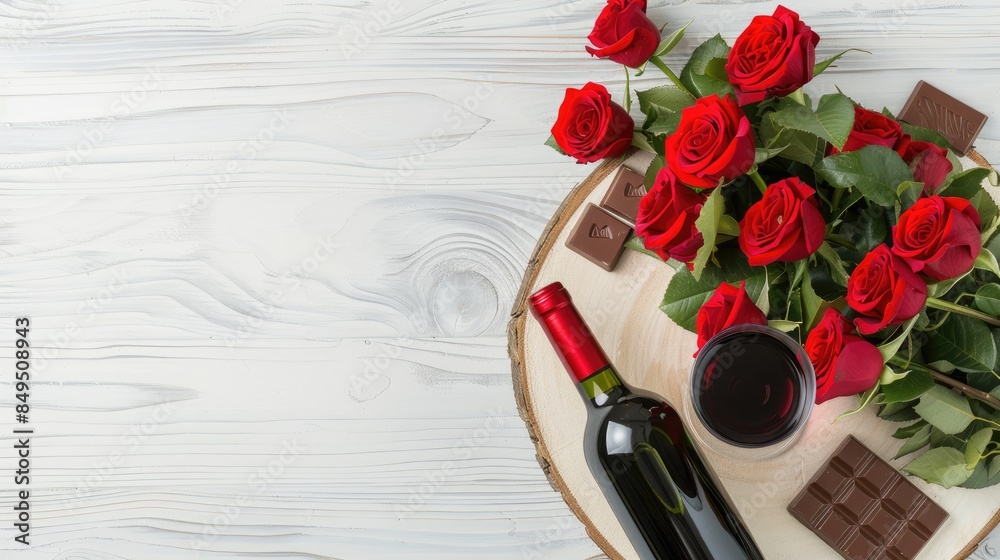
[[238, 224]]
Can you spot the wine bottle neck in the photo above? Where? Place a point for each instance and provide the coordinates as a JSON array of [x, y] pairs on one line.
[[603, 388]]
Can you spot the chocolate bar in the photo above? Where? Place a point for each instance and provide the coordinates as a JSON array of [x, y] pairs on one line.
[[624, 195], [932, 108], [599, 236], [865, 509]]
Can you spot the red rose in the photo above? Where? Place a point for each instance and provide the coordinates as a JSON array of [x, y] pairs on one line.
[[845, 363], [929, 163], [884, 291], [665, 221], [624, 34], [590, 126], [784, 226], [774, 56], [873, 129], [728, 306], [713, 143], [938, 236]]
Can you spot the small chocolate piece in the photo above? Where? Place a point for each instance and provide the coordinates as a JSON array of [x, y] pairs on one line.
[[599, 236], [865, 509], [932, 108], [623, 197]]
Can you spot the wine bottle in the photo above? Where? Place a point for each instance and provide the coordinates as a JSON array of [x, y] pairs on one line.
[[637, 448]]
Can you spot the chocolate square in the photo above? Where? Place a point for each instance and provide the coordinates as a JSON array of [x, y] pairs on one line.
[[624, 195], [599, 236], [932, 108], [865, 509]]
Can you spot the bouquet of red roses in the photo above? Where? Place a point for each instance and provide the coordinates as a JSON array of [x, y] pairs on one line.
[[858, 234]]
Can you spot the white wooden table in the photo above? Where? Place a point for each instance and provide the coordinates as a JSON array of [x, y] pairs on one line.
[[268, 249]]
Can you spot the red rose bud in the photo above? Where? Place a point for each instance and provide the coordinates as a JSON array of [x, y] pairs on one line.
[[774, 56], [624, 34], [884, 291], [938, 236], [713, 143], [873, 129], [929, 163], [784, 226], [590, 126], [727, 307], [845, 363], [666, 217]]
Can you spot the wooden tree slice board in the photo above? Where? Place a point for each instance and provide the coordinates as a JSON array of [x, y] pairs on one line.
[[653, 353]]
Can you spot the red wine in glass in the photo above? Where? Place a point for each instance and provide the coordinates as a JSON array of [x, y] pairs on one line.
[[752, 386]]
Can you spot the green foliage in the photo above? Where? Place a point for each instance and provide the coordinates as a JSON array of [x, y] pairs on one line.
[[551, 142], [832, 120], [662, 106], [708, 224], [964, 342], [700, 76], [686, 294], [876, 171]]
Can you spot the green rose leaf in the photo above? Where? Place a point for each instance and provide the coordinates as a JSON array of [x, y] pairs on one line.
[[639, 140], [685, 294], [986, 206], [943, 465], [551, 142], [695, 75], [821, 66], [837, 270], [671, 41], [875, 170], [945, 410], [915, 384], [662, 106], [832, 120], [908, 193], [987, 261], [899, 412], [976, 447], [869, 230], [889, 348], [965, 184], [811, 303], [987, 380], [763, 154], [799, 146], [654, 168], [965, 342], [708, 224], [984, 475], [906, 432], [918, 440]]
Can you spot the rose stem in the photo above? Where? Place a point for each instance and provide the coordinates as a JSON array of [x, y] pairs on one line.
[[670, 74], [628, 92], [981, 396], [943, 305], [758, 180]]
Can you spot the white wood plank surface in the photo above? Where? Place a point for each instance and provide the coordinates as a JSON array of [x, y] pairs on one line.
[[268, 249]]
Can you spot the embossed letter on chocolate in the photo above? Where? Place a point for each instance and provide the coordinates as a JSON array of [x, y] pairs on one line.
[[625, 193], [599, 236], [932, 108]]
